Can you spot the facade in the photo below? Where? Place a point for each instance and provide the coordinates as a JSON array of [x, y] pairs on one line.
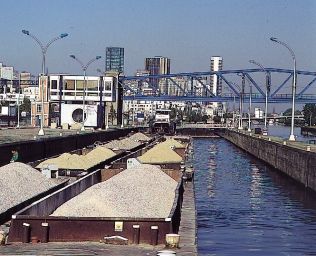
[[6, 73], [215, 81], [157, 66], [114, 59], [65, 96]]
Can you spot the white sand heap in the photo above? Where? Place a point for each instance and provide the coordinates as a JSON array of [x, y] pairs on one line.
[[20, 182], [144, 191]]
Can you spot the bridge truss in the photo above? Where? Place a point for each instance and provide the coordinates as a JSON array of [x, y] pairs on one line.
[[193, 87]]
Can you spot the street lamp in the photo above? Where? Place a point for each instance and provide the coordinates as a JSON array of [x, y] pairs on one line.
[[18, 101], [265, 132], [240, 105], [249, 112], [273, 39], [44, 50], [84, 69]]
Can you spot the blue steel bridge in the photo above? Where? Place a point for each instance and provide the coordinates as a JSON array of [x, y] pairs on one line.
[[278, 80]]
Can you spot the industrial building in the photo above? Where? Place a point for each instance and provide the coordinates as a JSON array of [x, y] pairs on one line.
[[65, 97]]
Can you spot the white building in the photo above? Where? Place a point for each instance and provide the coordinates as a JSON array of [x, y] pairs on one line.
[[216, 82], [65, 96], [6, 73]]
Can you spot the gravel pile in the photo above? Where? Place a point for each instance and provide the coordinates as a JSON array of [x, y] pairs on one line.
[[139, 137], [100, 154], [125, 144], [141, 192], [69, 162], [172, 143], [19, 182], [160, 154], [79, 162]]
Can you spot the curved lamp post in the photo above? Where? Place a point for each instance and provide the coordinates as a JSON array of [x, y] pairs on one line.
[[240, 105], [273, 39], [249, 111], [84, 69], [265, 132], [44, 50]]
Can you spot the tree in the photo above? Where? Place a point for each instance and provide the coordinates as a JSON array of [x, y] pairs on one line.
[[287, 112], [26, 105], [309, 112]]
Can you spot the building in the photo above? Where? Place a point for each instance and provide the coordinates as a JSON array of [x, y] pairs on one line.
[[114, 59], [157, 66], [215, 80], [216, 83], [6, 73], [63, 100]]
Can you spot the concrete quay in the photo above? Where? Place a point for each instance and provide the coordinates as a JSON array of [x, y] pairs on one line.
[[295, 159], [188, 225]]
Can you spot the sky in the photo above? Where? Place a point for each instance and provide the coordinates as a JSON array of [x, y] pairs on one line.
[[188, 32]]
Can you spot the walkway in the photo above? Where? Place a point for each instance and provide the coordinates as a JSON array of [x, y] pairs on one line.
[[188, 227]]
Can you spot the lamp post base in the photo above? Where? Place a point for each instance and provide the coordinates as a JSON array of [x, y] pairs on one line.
[[240, 128], [41, 132], [82, 129], [292, 137]]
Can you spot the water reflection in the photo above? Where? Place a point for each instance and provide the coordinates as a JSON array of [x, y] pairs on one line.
[[247, 208]]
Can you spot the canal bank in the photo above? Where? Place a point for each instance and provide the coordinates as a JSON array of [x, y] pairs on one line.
[[246, 207], [293, 159]]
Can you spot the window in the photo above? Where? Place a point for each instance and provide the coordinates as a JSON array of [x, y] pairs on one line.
[[38, 108], [92, 85], [70, 85], [54, 84], [107, 86]]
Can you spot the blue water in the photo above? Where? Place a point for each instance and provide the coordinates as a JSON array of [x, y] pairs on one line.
[[285, 131], [247, 208]]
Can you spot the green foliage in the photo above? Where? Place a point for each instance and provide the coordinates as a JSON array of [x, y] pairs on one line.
[[26, 105], [287, 112], [309, 112]]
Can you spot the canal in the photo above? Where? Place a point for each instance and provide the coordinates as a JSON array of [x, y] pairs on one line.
[[245, 207]]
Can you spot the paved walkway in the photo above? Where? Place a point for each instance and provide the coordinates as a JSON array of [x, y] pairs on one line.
[[188, 229], [84, 248]]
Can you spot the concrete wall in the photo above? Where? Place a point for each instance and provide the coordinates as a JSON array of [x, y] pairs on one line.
[[296, 163], [44, 148]]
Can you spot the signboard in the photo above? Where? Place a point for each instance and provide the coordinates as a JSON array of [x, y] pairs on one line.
[[118, 226]]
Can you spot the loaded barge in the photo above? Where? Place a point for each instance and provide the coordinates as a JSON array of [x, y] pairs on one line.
[[155, 160]]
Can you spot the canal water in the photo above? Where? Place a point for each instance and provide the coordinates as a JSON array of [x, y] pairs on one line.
[[245, 207]]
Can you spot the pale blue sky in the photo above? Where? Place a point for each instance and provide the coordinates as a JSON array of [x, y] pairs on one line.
[[188, 32]]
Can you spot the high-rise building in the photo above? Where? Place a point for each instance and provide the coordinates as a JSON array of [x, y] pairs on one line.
[[215, 80], [157, 66], [114, 59]]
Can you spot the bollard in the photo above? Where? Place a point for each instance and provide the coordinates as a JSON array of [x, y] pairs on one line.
[[269, 139], [26, 232], [154, 235], [308, 148], [172, 240], [284, 142], [136, 233], [45, 232]]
